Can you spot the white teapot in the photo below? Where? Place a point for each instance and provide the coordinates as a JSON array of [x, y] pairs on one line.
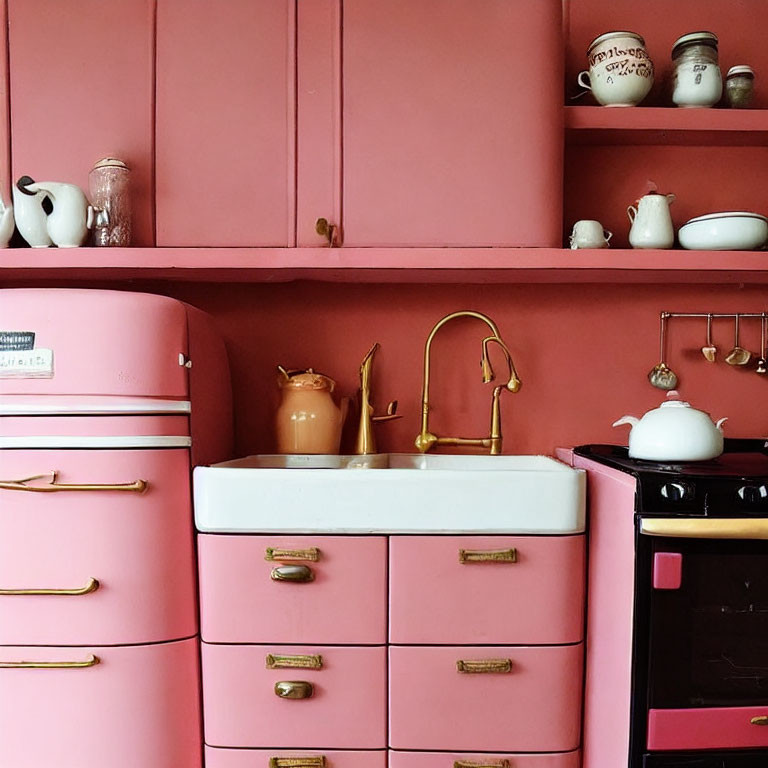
[[674, 432]]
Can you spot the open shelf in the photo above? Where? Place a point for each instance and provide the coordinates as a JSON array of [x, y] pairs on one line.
[[383, 265], [665, 125]]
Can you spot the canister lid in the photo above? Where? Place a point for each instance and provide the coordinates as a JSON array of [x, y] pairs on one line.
[[305, 379], [741, 70], [110, 162], [694, 38], [613, 35]]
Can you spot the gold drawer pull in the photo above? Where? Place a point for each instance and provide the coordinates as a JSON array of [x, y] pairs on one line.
[[91, 586], [294, 689], [91, 661], [311, 555], [488, 555], [139, 486], [294, 662], [482, 666], [300, 574], [488, 764], [759, 720], [308, 761]]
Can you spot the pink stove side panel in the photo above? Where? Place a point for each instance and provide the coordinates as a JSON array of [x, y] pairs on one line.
[[103, 342], [610, 596]]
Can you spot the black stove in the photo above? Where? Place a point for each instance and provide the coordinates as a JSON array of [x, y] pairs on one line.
[[733, 485]]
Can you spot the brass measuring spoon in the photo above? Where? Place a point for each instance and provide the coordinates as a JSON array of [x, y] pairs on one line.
[[661, 375], [710, 350], [738, 355]]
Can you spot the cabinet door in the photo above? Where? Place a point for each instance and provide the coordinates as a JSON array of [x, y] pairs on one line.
[[81, 89], [225, 122], [451, 123]]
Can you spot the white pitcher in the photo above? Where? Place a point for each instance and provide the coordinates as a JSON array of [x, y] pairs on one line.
[[651, 222], [31, 218]]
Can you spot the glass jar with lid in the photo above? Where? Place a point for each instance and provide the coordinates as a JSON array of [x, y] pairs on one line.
[[697, 81], [109, 188], [740, 86]]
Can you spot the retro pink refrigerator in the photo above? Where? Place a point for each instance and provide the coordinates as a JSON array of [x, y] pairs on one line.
[[107, 399]]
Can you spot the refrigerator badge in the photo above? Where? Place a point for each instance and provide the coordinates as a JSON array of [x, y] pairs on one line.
[[26, 364], [13, 341]]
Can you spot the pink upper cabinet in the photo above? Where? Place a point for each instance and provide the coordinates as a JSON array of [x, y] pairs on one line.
[[450, 116], [225, 122], [81, 89]]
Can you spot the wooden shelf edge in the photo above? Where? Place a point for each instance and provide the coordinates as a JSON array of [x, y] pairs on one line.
[[384, 265]]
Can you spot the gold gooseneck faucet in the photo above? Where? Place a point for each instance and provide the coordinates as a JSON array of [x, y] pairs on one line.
[[426, 439]]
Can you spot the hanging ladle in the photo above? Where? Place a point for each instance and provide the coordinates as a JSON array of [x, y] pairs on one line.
[[661, 375], [710, 350], [738, 355], [762, 364]]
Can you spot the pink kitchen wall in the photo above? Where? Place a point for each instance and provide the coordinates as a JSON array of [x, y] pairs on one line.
[[582, 351]]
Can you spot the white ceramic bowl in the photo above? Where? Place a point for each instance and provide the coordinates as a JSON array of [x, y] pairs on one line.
[[727, 231]]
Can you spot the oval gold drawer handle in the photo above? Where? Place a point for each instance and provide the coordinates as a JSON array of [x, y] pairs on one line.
[[759, 720], [294, 662], [488, 764], [311, 555], [488, 555], [299, 574], [91, 661], [484, 666], [307, 761], [138, 486], [294, 689], [91, 586]]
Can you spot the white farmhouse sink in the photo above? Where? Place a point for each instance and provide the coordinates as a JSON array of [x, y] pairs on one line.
[[390, 493]]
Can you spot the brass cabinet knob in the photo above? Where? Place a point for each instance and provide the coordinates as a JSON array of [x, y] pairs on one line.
[[299, 574], [294, 689]]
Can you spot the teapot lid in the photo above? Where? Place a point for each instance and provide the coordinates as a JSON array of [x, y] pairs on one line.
[[675, 404], [305, 379]]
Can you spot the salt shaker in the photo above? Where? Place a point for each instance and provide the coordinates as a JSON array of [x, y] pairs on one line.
[[739, 86], [697, 78], [109, 188]]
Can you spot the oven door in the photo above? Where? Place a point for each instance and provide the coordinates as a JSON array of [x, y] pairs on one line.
[[707, 662]]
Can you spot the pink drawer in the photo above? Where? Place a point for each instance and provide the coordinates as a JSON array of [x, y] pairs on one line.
[[346, 709], [534, 596], [138, 546], [483, 760], [217, 757], [533, 707], [345, 602], [711, 728], [137, 707]]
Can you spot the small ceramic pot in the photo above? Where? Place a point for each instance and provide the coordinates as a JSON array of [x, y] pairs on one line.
[[620, 71], [589, 234]]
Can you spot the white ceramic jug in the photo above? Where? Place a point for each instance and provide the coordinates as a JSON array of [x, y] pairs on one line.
[[651, 222], [7, 223], [31, 218], [71, 218]]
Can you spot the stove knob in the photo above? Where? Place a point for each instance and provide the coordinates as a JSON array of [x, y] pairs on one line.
[[753, 494], [677, 491]]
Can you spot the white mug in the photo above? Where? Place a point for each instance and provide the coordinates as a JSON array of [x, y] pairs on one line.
[[589, 234]]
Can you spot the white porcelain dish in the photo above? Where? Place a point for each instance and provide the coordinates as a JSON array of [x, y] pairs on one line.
[[726, 231], [396, 493]]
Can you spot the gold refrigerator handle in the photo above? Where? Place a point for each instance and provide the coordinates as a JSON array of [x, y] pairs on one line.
[[91, 586], [705, 528], [138, 486], [91, 661]]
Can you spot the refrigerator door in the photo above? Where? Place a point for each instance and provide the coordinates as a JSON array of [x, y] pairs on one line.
[[79, 342]]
